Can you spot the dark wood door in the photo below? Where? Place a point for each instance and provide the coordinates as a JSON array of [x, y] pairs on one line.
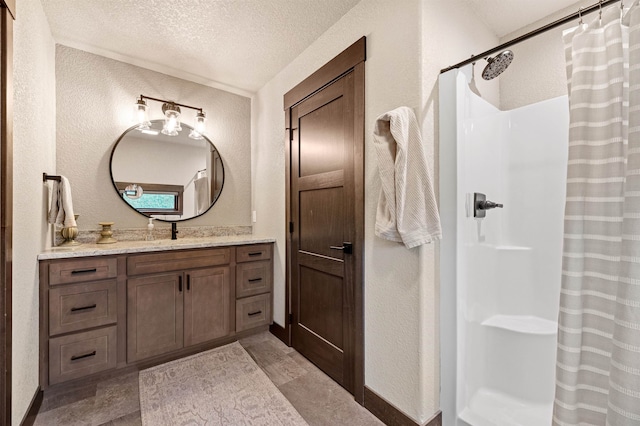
[[7, 15], [323, 205], [206, 305], [154, 315]]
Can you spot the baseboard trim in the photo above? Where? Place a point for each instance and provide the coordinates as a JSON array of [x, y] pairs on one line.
[[436, 420], [390, 415], [280, 332], [30, 416]]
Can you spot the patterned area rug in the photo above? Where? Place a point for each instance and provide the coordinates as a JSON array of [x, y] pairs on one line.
[[223, 386]]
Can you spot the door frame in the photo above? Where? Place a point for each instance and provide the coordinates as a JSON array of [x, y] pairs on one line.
[[7, 15], [350, 60]]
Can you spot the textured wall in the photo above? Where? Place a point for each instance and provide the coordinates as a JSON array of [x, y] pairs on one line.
[[407, 44], [34, 153], [538, 68], [95, 97]]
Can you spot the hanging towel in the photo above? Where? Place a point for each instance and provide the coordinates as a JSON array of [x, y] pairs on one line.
[[201, 186], [407, 210], [61, 205]]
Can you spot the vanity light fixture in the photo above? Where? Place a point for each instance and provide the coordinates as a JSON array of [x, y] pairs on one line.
[[172, 118], [142, 115], [199, 127], [133, 191]]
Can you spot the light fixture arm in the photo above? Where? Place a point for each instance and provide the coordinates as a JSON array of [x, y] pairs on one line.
[[170, 102]]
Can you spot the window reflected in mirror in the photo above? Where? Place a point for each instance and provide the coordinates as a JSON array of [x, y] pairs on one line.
[[155, 199]]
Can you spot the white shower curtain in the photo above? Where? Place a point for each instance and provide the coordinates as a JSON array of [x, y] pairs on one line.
[[598, 364]]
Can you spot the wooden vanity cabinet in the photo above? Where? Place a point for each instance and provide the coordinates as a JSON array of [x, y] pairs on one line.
[[166, 312], [79, 317], [254, 282], [169, 311], [101, 313], [208, 305], [154, 315]]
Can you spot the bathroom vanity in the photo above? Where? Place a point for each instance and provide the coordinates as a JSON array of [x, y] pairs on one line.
[[137, 304]]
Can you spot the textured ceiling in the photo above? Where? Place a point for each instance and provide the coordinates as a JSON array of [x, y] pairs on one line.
[[506, 16], [238, 45]]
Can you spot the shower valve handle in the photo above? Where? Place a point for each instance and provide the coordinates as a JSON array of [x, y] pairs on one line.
[[481, 205], [486, 205]]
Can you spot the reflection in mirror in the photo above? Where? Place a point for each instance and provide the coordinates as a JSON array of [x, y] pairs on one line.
[[170, 178]]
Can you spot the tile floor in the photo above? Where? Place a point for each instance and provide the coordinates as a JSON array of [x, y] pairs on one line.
[[116, 402]]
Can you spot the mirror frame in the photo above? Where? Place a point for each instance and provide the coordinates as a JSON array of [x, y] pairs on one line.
[[148, 215]]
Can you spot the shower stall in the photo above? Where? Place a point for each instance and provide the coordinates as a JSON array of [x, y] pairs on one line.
[[500, 274]]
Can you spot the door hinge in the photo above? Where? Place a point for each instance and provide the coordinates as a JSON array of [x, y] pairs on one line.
[[291, 227], [290, 318]]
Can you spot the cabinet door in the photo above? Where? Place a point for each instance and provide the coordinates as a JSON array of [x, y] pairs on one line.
[[154, 315], [207, 303]]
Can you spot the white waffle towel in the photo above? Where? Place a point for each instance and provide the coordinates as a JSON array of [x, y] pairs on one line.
[[201, 186], [407, 210], [61, 206]]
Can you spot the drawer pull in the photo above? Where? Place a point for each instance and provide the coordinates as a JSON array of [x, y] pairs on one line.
[[255, 253], [83, 308], [251, 314], [77, 357], [84, 271], [254, 280]]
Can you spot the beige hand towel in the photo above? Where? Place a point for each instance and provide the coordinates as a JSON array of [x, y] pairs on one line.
[[201, 187], [407, 210], [61, 204]]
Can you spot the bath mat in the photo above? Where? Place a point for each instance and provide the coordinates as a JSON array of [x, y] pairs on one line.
[[223, 386]]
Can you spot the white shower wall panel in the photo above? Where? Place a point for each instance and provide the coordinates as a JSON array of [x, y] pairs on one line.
[[535, 186], [480, 160], [509, 263]]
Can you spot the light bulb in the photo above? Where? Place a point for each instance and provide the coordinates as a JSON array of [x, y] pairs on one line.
[[199, 127], [172, 119], [141, 115]]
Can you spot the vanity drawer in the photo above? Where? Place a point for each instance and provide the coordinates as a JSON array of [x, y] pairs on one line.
[[177, 260], [253, 252], [80, 306], [78, 270], [81, 354], [253, 278], [253, 312]]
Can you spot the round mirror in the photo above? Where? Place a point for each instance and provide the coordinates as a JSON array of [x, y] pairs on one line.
[[170, 178]]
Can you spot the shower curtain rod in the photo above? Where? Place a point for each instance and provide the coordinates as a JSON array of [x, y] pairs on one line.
[[533, 33]]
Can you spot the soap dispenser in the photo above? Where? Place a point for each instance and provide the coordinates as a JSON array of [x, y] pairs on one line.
[[150, 229]]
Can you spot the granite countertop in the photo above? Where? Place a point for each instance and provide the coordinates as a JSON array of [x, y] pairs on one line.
[[125, 247]]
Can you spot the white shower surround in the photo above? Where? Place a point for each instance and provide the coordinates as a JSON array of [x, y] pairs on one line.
[[507, 265]]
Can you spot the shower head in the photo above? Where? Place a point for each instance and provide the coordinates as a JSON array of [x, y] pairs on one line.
[[497, 64]]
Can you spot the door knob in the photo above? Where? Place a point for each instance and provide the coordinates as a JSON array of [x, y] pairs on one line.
[[346, 247]]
